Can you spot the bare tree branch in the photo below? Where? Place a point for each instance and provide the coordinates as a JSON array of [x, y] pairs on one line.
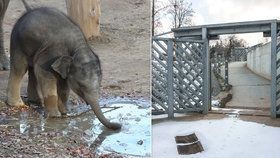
[[181, 12]]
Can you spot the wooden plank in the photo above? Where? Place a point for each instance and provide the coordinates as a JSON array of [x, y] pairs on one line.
[[189, 70], [160, 103], [158, 112], [278, 110], [190, 56], [161, 85], [170, 79], [278, 63], [190, 138], [177, 106], [188, 88], [156, 75], [193, 74], [179, 39], [207, 72], [161, 63], [160, 53], [158, 68], [190, 148], [225, 28], [190, 100], [155, 106], [197, 49], [157, 94], [186, 99], [193, 51], [181, 63], [161, 46], [191, 89], [273, 68], [187, 77]]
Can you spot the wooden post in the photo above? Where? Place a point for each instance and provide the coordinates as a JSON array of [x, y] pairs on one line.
[[207, 72], [169, 79], [273, 69], [86, 13]]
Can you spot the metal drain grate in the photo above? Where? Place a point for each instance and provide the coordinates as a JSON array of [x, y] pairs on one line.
[[186, 139], [188, 144]]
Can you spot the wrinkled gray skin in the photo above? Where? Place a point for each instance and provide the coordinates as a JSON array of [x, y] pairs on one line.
[[4, 61], [54, 51]]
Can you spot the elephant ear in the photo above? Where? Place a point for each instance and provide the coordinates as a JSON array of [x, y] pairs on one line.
[[62, 66]]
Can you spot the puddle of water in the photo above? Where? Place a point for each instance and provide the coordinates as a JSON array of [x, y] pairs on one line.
[[133, 139]]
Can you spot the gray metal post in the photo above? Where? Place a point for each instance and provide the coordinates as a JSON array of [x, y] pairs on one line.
[[170, 79], [180, 65], [219, 64], [207, 72], [273, 68], [226, 71]]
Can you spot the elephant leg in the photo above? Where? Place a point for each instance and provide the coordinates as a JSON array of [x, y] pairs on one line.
[[18, 69], [63, 94], [32, 93], [4, 61], [47, 85]]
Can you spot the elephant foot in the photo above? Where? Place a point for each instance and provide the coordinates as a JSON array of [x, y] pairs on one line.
[[53, 114], [63, 110], [16, 103], [4, 64], [51, 107]]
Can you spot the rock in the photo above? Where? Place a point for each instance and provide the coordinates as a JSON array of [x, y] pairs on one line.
[[140, 142], [137, 119]]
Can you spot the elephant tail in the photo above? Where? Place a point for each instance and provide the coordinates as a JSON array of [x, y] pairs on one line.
[[27, 7]]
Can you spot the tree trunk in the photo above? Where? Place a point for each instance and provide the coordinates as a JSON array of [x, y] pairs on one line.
[[86, 13]]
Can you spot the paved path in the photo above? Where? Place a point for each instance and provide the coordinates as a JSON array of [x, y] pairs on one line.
[[249, 89]]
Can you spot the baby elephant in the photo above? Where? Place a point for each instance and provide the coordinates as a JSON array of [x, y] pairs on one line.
[[54, 51]]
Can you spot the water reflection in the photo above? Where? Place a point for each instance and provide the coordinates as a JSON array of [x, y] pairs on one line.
[[42, 122], [133, 139], [23, 122]]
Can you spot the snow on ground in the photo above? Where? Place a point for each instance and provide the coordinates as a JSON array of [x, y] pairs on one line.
[[224, 138]]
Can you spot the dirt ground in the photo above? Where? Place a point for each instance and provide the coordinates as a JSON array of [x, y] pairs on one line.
[[124, 51]]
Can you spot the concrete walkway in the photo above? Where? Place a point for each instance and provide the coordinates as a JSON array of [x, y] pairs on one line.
[[249, 90]]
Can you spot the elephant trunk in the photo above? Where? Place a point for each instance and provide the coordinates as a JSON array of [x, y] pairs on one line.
[[97, 110]]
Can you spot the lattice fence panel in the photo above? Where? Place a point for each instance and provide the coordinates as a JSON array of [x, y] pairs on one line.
[[188, 73], [275, 71], [278, 76], [159, 76], [239, 55], [183, 61]]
